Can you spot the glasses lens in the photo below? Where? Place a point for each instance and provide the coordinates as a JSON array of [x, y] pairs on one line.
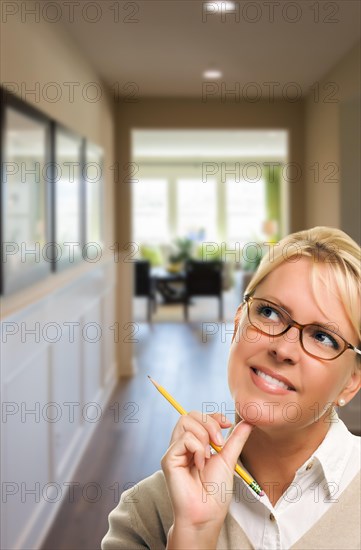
[[267, 318], [316, 339], [321, 342]]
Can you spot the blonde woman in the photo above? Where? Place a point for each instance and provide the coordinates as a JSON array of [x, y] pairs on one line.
[[295, 357]]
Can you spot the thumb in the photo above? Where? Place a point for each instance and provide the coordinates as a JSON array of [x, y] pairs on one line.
[[235, 443]]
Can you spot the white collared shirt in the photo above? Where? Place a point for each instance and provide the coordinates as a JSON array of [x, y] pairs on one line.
[[318, 483]]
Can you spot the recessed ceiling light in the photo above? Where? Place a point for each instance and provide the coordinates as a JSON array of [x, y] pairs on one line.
[[219, 6], [212, 73]]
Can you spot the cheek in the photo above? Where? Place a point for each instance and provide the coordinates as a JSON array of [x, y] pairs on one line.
[[241, 350], [326, 378], [247, 342], [236, 365], [232, 369]]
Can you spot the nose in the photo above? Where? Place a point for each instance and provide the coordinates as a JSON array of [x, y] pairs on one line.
[[287, 347]]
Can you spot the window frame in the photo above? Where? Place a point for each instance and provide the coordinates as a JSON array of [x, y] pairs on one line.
[[10, 285]]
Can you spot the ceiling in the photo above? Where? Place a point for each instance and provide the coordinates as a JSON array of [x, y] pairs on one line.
[[163, 46]]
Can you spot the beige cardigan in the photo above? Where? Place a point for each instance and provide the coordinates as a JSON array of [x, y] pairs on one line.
[[144, 516]]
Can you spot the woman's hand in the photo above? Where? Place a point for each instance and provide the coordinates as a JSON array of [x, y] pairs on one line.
[[199, 483]]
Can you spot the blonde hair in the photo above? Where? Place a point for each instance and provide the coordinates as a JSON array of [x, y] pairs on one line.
[[324, 245]]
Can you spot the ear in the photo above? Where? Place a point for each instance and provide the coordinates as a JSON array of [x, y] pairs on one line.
[[352, 387], [237, 319]]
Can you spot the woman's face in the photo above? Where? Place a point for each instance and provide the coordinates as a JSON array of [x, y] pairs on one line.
[[317, 383]]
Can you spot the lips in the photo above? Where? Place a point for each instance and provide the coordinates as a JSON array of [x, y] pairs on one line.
[[275, 378]]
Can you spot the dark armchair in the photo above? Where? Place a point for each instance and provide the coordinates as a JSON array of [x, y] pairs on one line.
[[203, 279], [144, 285]]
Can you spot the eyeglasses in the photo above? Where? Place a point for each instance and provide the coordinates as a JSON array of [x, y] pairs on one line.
[[316, 339]]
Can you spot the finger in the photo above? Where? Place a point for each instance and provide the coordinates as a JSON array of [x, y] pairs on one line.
[[204, 427], [213, 423], [221, 419], [235, 443], [189, 424], [180, 453]]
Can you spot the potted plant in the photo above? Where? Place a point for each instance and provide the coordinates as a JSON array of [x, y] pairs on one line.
[[183, 249]]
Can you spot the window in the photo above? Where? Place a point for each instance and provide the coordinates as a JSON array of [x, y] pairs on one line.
[[150, 210], [94, 193], [25, 183], [197, 209], [245, 210], [68, 164], [51, 202]]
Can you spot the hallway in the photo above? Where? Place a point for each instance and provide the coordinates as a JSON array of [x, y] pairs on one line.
[[239, 130], [136, 426]]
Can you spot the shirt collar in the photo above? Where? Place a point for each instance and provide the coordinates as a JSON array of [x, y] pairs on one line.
[[333, 453]]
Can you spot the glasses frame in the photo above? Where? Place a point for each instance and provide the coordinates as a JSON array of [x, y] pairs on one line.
[[248, 299]]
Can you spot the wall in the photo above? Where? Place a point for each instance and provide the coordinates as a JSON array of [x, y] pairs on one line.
[[40, 454], [333, 136], [195, 114], [324, 142], [33, 55]]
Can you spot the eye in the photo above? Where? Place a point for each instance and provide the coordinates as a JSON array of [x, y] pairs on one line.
[[268, 312], [326, 339]]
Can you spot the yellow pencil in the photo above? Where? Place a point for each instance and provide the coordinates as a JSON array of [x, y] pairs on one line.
[[242, 473]]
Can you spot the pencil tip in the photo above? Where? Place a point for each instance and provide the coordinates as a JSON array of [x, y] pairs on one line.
[[153, 381]]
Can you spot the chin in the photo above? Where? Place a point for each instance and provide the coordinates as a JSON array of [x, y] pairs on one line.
[[265, 414]]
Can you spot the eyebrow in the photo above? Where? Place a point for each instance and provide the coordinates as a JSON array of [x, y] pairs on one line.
[[326, 325], [278, 302]]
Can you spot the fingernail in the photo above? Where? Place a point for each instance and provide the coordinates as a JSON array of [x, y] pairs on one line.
[[219, 439]]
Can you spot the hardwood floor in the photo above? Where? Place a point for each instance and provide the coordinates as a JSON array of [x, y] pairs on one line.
[[136, 427]]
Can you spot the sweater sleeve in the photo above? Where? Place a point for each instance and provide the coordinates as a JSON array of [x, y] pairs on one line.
[[142, 518]]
